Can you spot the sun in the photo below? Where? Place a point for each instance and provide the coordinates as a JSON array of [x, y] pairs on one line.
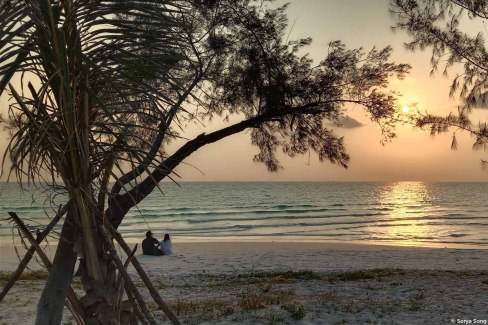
[[406, 109]]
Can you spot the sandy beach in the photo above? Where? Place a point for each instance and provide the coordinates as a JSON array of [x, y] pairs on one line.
[[305, 283], [294, 161]]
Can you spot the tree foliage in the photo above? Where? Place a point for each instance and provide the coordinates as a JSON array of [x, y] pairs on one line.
[[442, 25], [106, 85]]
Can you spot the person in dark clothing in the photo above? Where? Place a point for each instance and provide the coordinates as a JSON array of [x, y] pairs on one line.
[[150, 245]]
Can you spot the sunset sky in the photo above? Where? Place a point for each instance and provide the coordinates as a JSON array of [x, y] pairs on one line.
[[414, 155]]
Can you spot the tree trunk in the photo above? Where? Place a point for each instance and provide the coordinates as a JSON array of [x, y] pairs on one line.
[[52, 301]]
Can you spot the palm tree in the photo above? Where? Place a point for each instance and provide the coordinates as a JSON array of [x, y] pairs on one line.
[[93, 71], [104, 85]]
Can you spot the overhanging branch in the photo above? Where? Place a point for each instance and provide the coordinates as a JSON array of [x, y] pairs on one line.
[[119, 205]]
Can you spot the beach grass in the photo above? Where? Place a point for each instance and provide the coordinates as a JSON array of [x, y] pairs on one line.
[[195, 311], [359, 275], [26, 276], [275, 297], [219, 288]]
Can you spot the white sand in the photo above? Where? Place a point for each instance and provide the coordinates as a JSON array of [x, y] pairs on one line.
[[228, 257], [440, 284]]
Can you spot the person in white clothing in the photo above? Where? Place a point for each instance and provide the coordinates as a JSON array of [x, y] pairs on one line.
[[165, 246]]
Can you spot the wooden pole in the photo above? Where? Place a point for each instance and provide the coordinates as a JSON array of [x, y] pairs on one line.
[[128, 281], [30, 252], [152, 290], [119, 283], [73, 303]]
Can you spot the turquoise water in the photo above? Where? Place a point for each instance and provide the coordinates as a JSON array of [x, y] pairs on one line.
[[413, 213]]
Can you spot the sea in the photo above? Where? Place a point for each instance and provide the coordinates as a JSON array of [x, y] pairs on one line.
[[398, 213]]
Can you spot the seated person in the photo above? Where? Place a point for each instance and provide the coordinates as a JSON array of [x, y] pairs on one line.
[[150, 245], [166, 248]]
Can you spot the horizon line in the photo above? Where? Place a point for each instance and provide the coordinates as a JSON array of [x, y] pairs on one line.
[[290, 181]]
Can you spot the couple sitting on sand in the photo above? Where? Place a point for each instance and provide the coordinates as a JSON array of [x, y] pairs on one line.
[[152, 246]]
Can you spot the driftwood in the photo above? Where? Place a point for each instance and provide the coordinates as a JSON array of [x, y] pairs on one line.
[[72, 302], [152, 290], [30, 252]]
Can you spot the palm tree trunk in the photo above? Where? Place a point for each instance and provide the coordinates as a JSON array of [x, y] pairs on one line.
[[52, 301]]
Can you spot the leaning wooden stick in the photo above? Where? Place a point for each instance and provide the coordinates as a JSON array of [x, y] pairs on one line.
[[30, 252], [152, 290], [73, 303], [128, 281], [119, 283]]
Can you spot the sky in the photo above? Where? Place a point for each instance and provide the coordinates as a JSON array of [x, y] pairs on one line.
[[413, 156]]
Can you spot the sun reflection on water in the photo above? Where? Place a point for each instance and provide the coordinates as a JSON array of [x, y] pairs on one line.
[[405, 199]]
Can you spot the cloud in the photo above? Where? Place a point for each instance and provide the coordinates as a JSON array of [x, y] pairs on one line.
[[348, 122], [406, 80]]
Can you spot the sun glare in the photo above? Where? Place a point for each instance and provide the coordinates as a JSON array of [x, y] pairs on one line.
[[405, 109], [405, 198]]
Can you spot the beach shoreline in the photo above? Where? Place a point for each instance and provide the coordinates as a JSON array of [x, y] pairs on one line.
[[330, 255], [319, 240]]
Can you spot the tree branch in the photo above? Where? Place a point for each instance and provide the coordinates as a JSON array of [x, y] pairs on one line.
[[163, 128], [119, 205]]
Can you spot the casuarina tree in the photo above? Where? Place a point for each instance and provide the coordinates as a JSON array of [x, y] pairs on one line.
[[446, 27]]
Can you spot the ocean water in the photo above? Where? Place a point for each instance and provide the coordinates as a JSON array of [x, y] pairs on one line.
[[405, 213]]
